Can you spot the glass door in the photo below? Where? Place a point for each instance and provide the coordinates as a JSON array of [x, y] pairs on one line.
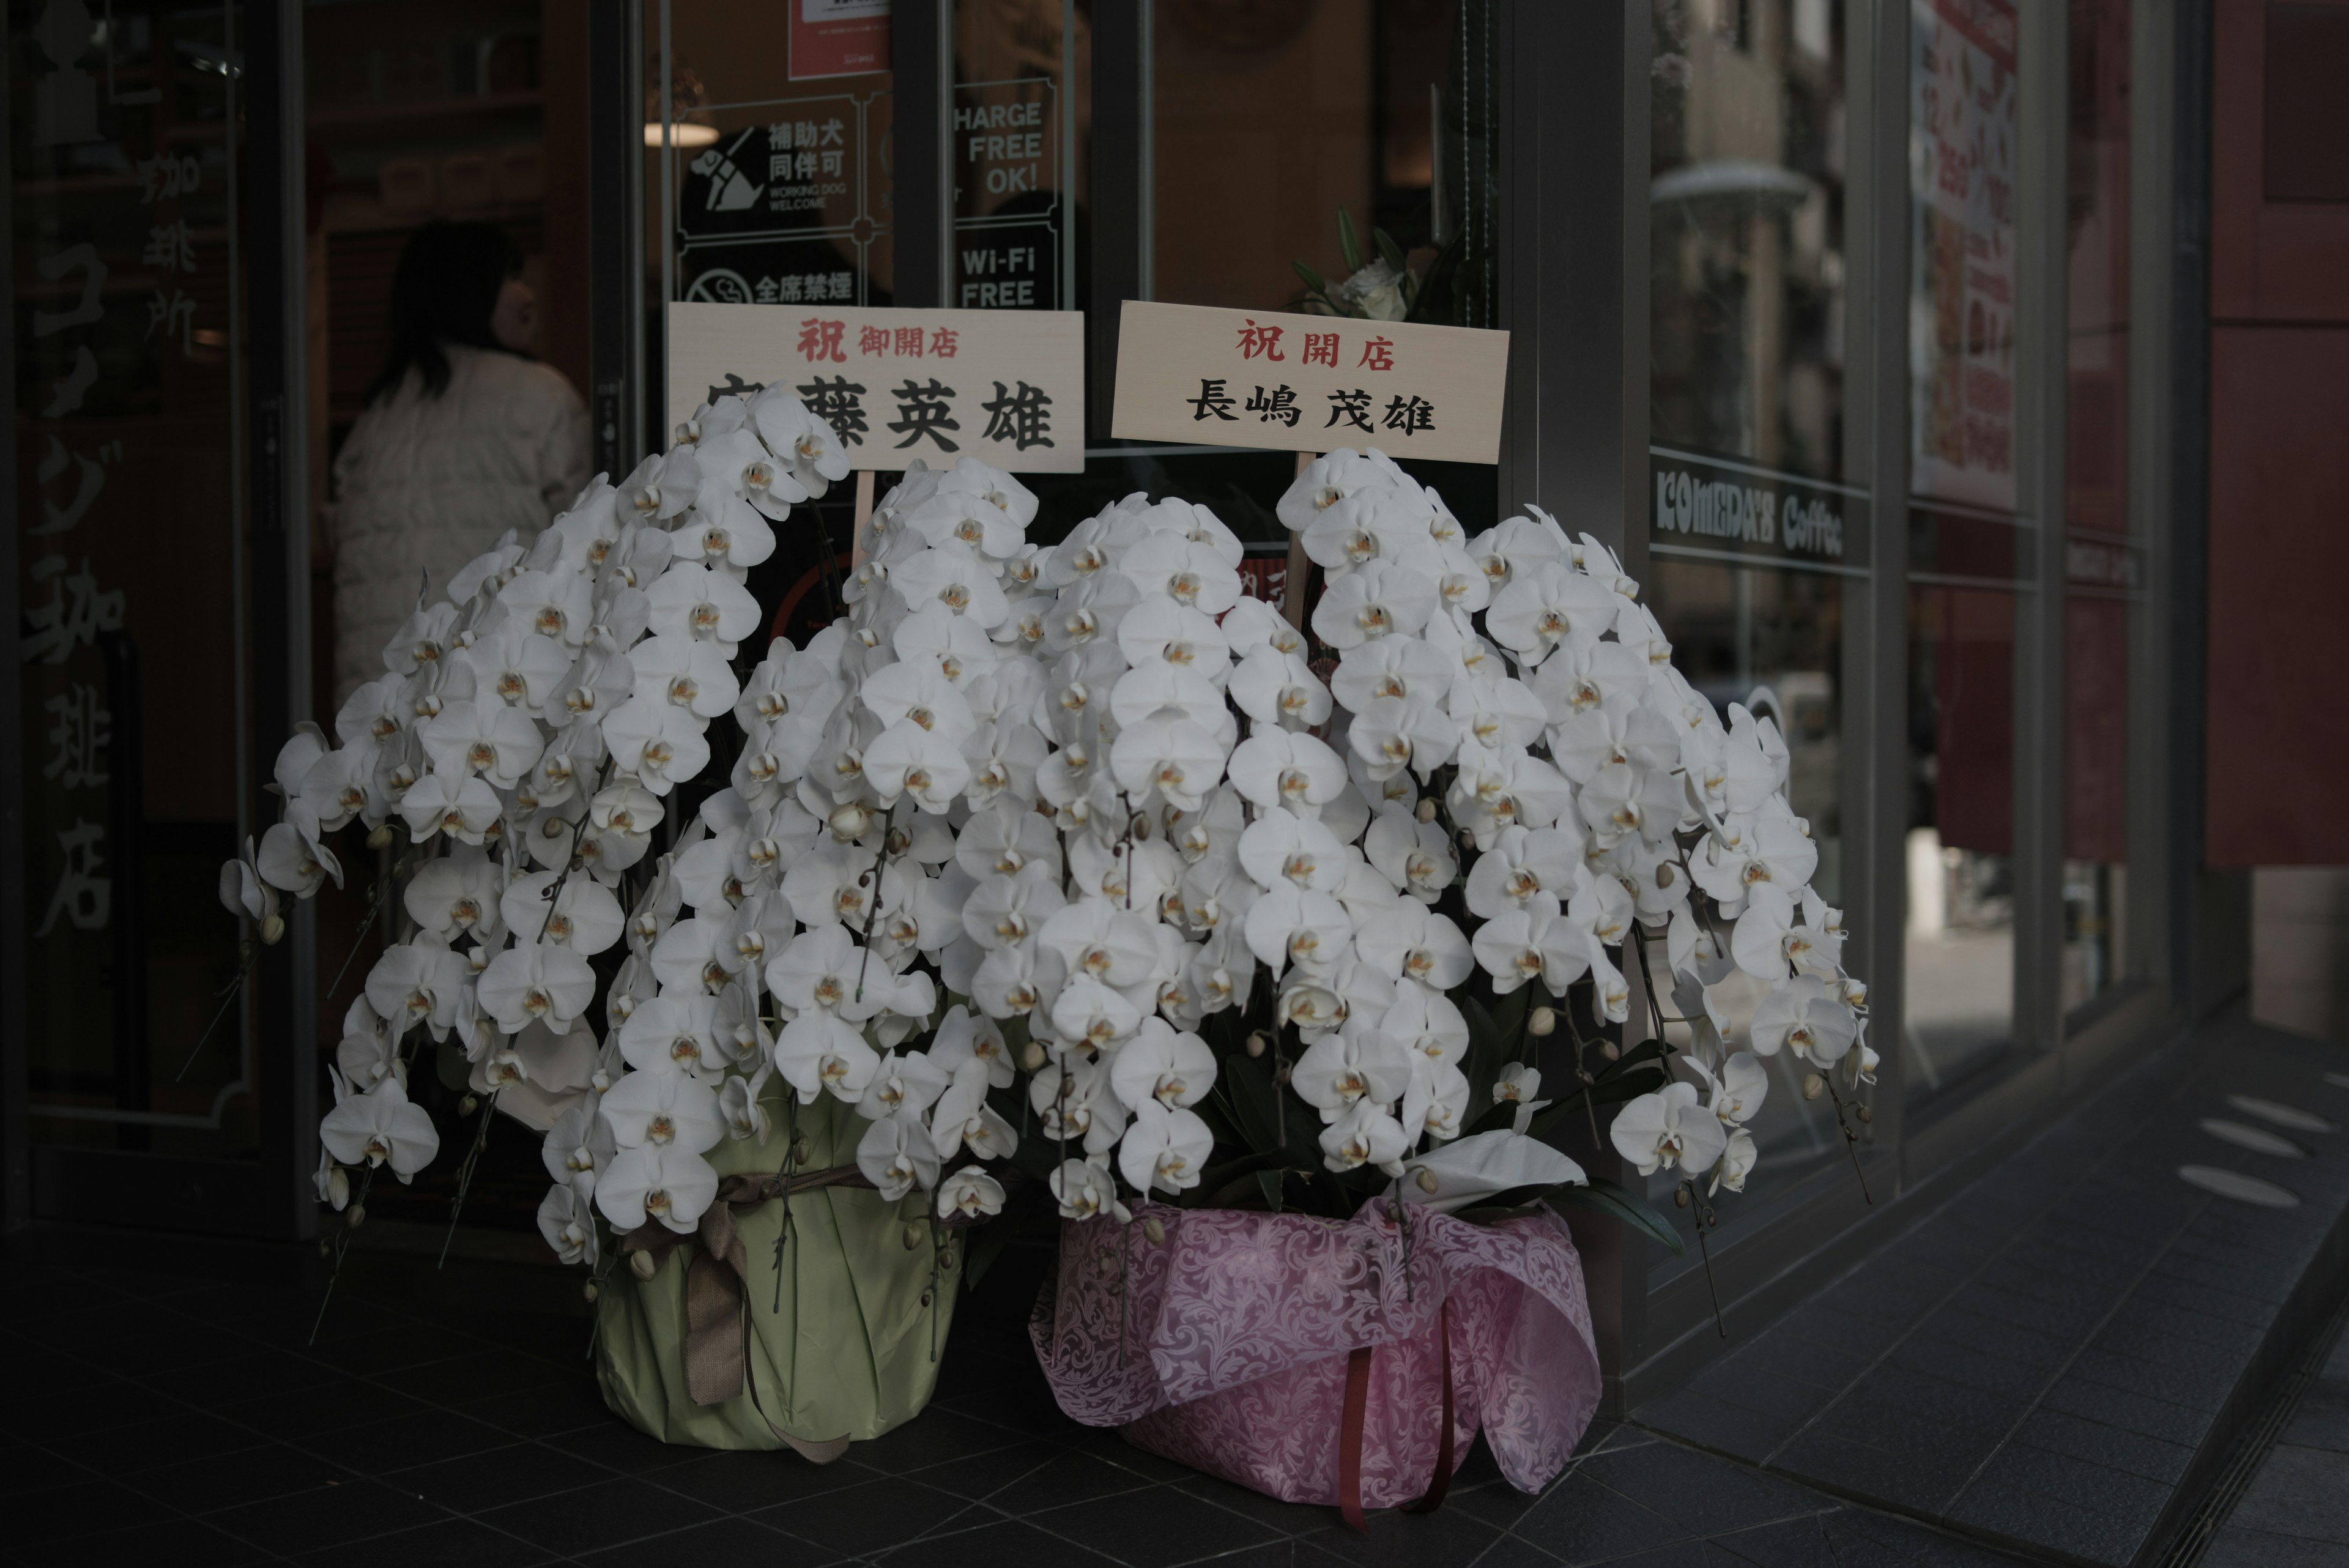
[[126, 218]]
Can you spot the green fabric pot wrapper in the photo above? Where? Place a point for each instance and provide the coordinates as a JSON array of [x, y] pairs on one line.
[[846, 1350]]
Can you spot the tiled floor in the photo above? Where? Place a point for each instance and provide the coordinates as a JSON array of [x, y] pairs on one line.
[[2295, 1513], [2041, 1360], [166, 1408]]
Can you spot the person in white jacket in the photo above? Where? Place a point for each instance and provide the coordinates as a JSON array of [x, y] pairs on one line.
[[465, 436]]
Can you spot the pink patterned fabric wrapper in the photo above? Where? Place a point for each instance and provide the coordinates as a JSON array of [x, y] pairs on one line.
[[1225, 1348]]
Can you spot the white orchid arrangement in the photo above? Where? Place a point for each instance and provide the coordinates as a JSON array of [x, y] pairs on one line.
[[1066, 867]]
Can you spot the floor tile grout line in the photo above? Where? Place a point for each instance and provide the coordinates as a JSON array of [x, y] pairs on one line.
[[2081, 1349], [2045, 1210]]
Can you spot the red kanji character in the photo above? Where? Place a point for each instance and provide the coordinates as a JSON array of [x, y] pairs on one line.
[[1378, 354], [1321, 349], [1260, 342], [821, 340], [943, 343], [872, 340], [909, 341]]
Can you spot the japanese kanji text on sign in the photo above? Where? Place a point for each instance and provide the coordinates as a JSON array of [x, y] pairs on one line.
[[1005, 386], [1309, 383]]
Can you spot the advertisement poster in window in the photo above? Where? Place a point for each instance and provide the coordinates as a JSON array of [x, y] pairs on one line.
[[838, 37], [1963, 283]]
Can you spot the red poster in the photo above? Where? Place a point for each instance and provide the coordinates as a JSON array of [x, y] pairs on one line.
[[838, 37]]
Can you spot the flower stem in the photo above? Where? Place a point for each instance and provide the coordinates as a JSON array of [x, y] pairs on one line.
[[465, 1173], [1704, 1253]]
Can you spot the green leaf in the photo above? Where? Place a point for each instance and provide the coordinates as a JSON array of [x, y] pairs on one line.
[[1605, 1197], [1270, 1181], [1312, 279], [1645, 1050], [449, 1063], [1350, 243], [1254, 1109], [1391, 251]]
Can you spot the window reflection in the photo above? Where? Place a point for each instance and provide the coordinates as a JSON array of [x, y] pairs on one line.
[[1746, 287], [1958, 1016], [2103, 563], [1772, 639]]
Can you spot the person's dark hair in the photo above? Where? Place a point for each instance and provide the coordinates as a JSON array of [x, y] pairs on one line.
[[445, 290]]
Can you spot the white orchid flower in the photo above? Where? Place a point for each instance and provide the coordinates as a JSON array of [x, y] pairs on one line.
[[578, 1146], [381, 1127], [1803, 1015], [663, 1108], [536, 983], [244, 891], [902, 1083], [1085, 1189], [675, 1033], [419, 982], [1364, 1135], [1413, 941], [293, 857], [1350, 1066], [1436, 1103], [662, 1181], [583, 916], [1668, 1130], [971, 1193], [1380, 598], [1538, 941], [1172, 1067], [1736, 1162], [1278, 769], [1164, 1150], [1546, 604], [568, 1226], [556, 605], [690, 600], [462, 807]]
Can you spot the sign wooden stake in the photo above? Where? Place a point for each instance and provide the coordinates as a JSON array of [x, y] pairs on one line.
[[863, 516]]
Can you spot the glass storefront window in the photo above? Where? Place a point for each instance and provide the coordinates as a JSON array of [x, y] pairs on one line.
[[1959, 943], [1972, 547], [775, 187], [2103, 561], [1268, 123], [130, 330], [1747, 276], [1758, 544]]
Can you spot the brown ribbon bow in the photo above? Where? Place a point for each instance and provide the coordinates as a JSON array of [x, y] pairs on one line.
[[717, 1337]]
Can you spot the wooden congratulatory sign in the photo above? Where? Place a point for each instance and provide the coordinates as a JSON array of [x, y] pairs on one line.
[[1006, 387], [1309, 383]]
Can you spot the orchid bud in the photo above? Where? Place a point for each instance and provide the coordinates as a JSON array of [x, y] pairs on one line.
[[1283, 1074], [800, 1151], [912, 1237], [1679, 1197], [272, 928], [849, 822], [643, 1265], [1608, 1050], [1813, 1086], [1258, 1043], [1540, 1021], [380, 837], [590, 1291], [467, 1105], [1032, 1057], [1108, 1265], [1863, 1113], [357, 1216], [1426, 812], [1153, 1229], [325, 1247], [1426, 1179]]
